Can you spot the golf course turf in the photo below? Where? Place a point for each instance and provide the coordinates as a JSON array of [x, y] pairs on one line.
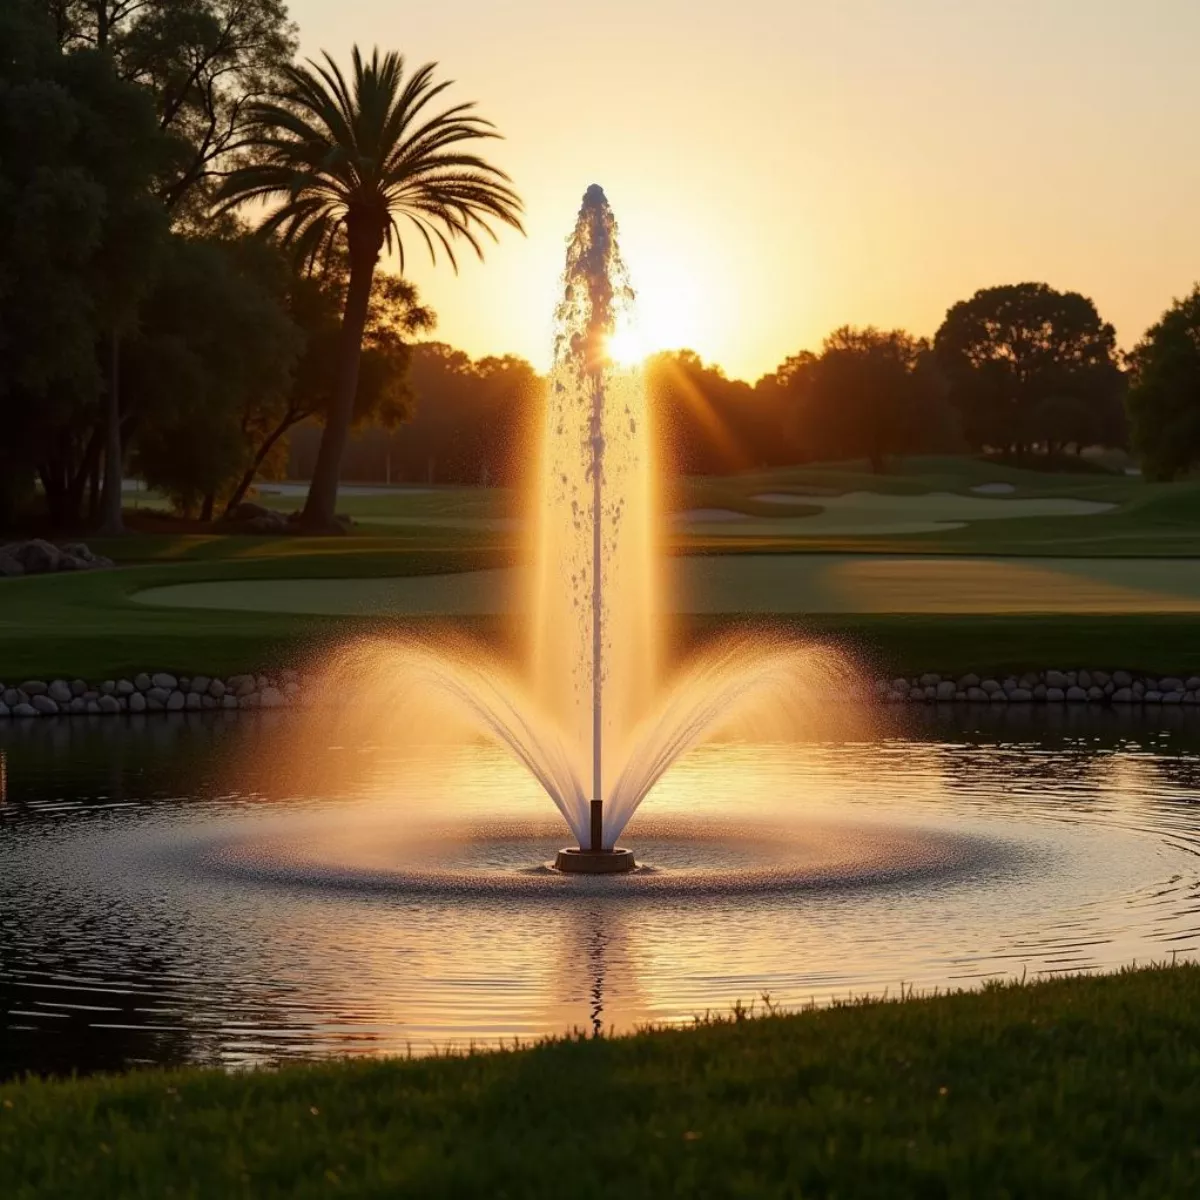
[[1076, 1087]]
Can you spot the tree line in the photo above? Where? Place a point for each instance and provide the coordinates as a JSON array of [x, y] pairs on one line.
[[190, 230]]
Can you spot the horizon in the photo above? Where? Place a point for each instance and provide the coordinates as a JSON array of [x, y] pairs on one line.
[[846, 218]]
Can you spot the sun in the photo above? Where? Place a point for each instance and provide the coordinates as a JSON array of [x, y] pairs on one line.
[[626, 345]]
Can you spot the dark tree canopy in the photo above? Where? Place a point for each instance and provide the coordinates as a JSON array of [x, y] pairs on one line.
[[1164, 393], [1024, 362], [203, 62], [80, 236]]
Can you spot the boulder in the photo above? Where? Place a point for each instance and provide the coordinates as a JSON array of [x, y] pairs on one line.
[[967, 682], [273, 698], [24, 710], [1020, 695], [10, 567], [228, 701], [945, 689], [34, 687], [137, 702], [199, 684], [1054, 695], [1153, 696], [60, 692], [1170, 684], [108, 704], [1123, 695], [158, 695], [125, 688], [176, 701], [162, 680], [44, 704], [1056, 679], [1122, 679], [142, 682], [191, 702], [216, 689], [976, 694]]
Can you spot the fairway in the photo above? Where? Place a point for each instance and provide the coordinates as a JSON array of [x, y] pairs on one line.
[[750, 583]]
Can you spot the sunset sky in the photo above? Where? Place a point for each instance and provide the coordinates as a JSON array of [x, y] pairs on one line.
[[780, 167]]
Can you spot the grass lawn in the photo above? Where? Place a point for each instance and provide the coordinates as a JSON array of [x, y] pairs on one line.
[[1009, 610], [1081, 1087]]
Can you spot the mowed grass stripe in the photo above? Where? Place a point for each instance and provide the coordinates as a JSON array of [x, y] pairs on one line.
[[772, 584]]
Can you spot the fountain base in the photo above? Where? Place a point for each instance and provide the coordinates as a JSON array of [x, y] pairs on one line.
[[574, 861]]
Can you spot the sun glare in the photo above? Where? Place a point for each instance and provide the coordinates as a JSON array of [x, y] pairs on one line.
[[626, 346]]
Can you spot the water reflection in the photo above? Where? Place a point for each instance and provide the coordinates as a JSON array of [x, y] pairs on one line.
[[121, 943]]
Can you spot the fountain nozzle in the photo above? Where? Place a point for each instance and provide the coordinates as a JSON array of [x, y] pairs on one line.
[[597, 845], [595, 860]]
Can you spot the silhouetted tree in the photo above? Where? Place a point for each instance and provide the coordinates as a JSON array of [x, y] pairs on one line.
[[1014, 355], [80, 232], [216, 342], [1164, 393], [203, 62], [383, 398], [347, 162]]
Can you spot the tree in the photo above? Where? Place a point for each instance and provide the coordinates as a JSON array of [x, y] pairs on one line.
[[870, 393], [383, 396], [1164, 393], [80, 231], [203, 62], [218, 328], [347, 162], [1010, 350]]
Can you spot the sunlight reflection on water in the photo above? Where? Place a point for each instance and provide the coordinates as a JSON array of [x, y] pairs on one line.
[[154, 908]]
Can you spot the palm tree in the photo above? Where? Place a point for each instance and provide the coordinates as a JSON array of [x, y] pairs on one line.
[[351, 165]]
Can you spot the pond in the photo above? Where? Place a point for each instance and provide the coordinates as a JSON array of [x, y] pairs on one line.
[[173, 889]]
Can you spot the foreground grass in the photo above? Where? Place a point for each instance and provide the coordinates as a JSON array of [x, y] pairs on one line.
[[1082, 1087]]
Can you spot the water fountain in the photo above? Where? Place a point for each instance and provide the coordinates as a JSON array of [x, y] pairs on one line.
[[592, 714]]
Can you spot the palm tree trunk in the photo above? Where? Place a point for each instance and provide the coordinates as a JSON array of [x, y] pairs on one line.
[[239, 493], [111, 524], [319, 514]]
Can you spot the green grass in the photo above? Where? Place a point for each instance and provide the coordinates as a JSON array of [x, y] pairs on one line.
[[1081, 1087], [87, 625]]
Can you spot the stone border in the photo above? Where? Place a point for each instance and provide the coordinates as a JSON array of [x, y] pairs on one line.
[[146, 692], [1043, 687]]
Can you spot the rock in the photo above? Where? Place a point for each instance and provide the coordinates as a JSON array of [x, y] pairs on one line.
[[108, 687], [4, 709], [191, 702], [43, 704], [228, 701], [960, 695], [1056, 679], [10, 567], [944, 691], [289, 675], [1039, 692], [976, 694], [250, 700], [1085, 679], [1020, 695], [1190, 697], [926, 680], [1192, 684], [1153, 696], [243, 685], [967, 682], [914, 693], [24, 710], [927, 693], [77, 705], [34, 687], [91, 694], [38, 557], [263, 682], [208, 702], [1095, 693], [108, 704], [1170, 684], [1172, 698], [154, 704], [273, 698], [158, 695], [1055, 695], [60, 692], [1029, 680], [199, 684], [1109, 688], [990, 686], [1100, 678], [79, 687], [176, 701], [1076, 693], [1123, 695], [1122, 679], [162, 680], [142, 682], [12, 697], [999, 696], [216, 689], [137, 702], [91, 707], [125, 688], [1139, 689]]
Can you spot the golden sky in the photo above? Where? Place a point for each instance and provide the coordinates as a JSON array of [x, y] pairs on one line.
[[781, 167]]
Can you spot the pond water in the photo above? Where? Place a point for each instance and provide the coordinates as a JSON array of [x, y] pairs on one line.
[[171, 891]]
